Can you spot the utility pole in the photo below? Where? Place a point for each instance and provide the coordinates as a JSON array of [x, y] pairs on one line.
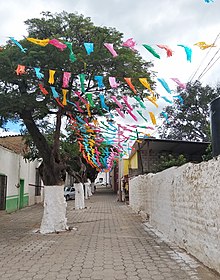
[[139, 153]]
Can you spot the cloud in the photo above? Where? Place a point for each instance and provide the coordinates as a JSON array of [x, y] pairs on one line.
[[148, 22], [166, 22], [7, 133]]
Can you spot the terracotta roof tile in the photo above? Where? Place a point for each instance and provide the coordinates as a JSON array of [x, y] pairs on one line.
[[14, 143]]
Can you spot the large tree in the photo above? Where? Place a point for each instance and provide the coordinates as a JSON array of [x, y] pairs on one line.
[[189, 119], [19, 94]]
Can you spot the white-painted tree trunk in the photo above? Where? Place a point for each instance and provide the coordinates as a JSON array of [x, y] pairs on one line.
[[79, 196], [89, 190], [93, 187], [86, 190], [54, 217]]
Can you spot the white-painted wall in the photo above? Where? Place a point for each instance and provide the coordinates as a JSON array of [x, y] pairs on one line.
[[184, 204], [15, 168]]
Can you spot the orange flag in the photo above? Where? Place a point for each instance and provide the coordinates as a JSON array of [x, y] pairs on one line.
[[128, 81]]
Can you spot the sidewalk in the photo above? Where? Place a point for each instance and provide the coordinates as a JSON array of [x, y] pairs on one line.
[[109, 242]]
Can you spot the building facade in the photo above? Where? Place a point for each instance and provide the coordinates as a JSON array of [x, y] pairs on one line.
[[20, 183], [147, 153]]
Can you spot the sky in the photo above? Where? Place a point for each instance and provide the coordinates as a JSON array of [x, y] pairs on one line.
[[148, 22]]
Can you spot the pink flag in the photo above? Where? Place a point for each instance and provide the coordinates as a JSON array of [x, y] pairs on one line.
[[57, 44], [167, 49], [117, 102], [66, 78], [120, 112], [112, 82], [78, 107], [130, 43], [111, 49], [80, 97], [180, 84], [132, 115], [125, 99]]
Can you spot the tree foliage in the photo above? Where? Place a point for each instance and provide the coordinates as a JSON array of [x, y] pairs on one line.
[[167, 161], [190, 120], [208, 153], [18, 94]]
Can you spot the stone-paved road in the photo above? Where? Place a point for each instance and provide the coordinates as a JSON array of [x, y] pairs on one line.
[[109, 242]]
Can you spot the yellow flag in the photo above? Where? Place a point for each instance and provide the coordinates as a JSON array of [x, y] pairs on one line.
[[152, 99], [51, 76], [89, 158], [88, 109], [64, 91], [96, 122], [146, 84], [42, 43], [153, 119], [203, 45]]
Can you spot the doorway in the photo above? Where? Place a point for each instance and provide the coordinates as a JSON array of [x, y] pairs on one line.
[[3, 191], [21, 194]]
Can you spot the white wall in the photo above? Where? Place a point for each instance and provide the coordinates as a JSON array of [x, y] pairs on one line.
[[9, 166], [15, 168], [28, 173], [184, 204]]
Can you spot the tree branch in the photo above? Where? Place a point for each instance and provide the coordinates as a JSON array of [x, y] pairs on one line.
[[38, 138], [56, 144]]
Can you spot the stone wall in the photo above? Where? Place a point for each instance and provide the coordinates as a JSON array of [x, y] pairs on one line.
[[184, 204]]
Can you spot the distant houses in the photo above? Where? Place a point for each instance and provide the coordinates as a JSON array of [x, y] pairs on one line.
[[147, 153], [146, 156]]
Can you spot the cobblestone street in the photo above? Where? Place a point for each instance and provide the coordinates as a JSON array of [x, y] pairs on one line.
[[108, 241]]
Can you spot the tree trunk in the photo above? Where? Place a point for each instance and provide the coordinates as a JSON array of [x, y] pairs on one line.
[[93, 187], [54, 217], [89, 190], [79, 196], [86, 190], [52, 171]]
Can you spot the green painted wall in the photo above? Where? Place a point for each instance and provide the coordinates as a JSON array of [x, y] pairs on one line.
[[12, 202], [26, 200]]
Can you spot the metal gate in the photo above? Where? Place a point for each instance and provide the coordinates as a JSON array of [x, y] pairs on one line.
[[3, 190], [21, 194]]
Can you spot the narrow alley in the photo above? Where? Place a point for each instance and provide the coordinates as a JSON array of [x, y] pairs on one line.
[[107, 241]]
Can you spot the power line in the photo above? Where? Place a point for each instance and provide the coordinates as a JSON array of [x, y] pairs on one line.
[[201, 75], [193, 75]]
